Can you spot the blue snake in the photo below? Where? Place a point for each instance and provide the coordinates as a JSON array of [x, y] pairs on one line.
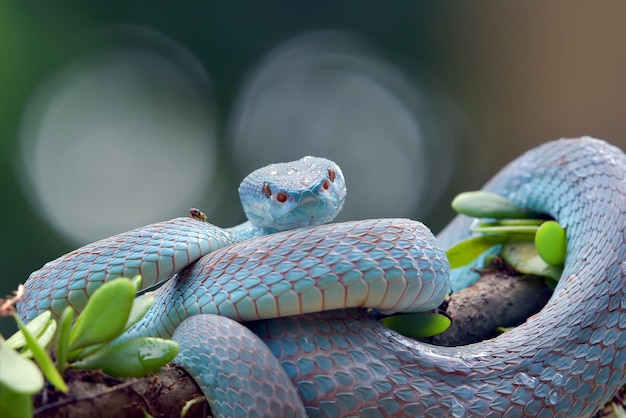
[[307, 348]]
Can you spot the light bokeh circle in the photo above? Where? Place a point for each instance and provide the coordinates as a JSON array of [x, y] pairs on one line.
[[330, 95], [118, 138]]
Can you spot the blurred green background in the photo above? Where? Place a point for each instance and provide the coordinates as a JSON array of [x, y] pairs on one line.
[[117, 114]]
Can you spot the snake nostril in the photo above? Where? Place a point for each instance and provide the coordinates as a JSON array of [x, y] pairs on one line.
[[326, 185]]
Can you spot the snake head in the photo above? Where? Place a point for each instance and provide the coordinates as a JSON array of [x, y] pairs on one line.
[[282, 196]]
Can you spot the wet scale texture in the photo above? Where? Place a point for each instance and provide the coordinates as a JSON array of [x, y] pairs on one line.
[[240, 381], [568, 360], [155, 251], [394, 265]]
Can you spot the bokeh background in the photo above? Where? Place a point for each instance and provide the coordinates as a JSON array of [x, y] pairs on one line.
[[117, 114]]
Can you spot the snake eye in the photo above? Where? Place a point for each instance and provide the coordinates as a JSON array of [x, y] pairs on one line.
[[266, 190], [331, 175], [326, 185], [281, 197]]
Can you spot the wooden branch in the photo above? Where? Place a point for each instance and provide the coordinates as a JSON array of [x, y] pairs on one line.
[[498, 299], [95, 395]]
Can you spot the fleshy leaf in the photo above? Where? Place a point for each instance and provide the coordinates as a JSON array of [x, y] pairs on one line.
[[530, 230], [43, 339], [417, 325], [140, 307], [17, 373], [468, 250], [136, 281], [36, 327], [131, 358], [63, 337], [42, 358], [551, 243], [512, 222], [482, 204], [618, 410], [189, 404], [14, 404], [105, 314], [523, 257]]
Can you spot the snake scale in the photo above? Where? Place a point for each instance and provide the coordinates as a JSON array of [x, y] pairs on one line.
[[308, 348]]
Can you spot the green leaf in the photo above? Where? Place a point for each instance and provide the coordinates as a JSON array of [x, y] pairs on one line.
[[17, 373], [63, 337], [502, 330], [551, 282], [551, 243], [512, 222], [417, 325], [83, 352], [136, 281], [467, 250], [139, 309], [38, 326], [105, 314], [483, 204], [14, 404], [523, 257], [42, 358], [43, 339], [190, 403], [530, 230], [131, 358], [618, 410]]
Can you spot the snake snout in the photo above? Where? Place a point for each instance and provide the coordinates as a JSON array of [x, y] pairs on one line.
[[308, 199]]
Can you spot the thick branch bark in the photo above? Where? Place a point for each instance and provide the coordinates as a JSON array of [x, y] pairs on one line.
[[498, 299], [95, 395]]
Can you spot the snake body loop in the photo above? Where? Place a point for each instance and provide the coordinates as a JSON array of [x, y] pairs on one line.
[[567, 361], [156, 251], [394, 265]]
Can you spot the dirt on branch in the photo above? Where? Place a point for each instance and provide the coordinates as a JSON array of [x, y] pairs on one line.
[[93, 394]]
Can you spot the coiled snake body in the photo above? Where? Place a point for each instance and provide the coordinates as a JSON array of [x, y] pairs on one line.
[[568, 360]]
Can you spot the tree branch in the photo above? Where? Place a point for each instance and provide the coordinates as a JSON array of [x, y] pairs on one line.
[[498, 299], [95, 395]]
